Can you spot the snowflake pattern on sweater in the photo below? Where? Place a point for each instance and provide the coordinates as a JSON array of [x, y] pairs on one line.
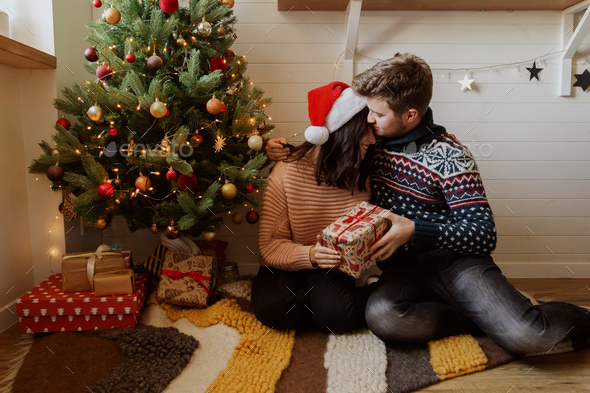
[[432, 179]]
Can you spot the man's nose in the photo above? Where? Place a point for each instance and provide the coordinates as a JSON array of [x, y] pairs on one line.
[[370, 118]]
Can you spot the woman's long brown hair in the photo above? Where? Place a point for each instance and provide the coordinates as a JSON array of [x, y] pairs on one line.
[[339, 161]]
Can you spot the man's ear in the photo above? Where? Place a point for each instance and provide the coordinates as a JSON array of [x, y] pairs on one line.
[[412, 115]]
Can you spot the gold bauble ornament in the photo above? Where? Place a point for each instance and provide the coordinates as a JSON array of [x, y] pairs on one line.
[[229, 3], [214, 106], [112, 15], [237, 218], [209, 236], [229, 190], [95, 113], [171, 232], [55, 152], [142, 183], [255, 142], [154, 229], [204, 28], [221, 31], [181, 41], [158, 109], [101, 224]]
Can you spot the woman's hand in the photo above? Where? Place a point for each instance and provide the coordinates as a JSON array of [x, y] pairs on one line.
[[323, 257], [276, 151], [401, 232]]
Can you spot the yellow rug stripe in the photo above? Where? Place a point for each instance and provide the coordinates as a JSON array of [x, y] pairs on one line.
[[258, 360], [456, 355]]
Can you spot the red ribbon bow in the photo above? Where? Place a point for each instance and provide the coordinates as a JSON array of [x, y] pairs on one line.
[[196, 275], [359, 216]]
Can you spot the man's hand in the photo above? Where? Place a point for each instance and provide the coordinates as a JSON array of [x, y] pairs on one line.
[[276, 151], [401, 232], [323, 257]]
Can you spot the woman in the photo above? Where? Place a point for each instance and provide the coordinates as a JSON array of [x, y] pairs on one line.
[[297, 284]]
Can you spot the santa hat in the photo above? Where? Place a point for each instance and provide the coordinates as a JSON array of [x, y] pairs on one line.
[[330, 107]]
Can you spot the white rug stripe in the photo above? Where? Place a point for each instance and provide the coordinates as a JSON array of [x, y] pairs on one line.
[[356, 363], [216, 346]]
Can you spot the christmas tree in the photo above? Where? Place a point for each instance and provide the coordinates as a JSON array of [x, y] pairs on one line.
[[168, 122]]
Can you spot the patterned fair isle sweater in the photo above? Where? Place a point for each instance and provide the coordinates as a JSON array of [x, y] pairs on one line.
[[429, 177]]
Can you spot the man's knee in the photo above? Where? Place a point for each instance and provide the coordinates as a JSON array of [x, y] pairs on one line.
[[389, 321]]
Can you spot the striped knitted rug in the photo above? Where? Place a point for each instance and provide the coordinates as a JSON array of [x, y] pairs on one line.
[[239, 354]]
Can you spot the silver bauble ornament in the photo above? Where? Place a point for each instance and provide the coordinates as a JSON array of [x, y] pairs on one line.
[[255, 142]]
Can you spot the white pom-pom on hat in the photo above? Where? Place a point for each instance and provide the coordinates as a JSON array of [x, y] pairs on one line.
[[330, 107], [317, 135]]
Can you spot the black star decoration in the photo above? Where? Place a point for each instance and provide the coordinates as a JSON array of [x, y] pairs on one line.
[[583, 80], [534, 71]]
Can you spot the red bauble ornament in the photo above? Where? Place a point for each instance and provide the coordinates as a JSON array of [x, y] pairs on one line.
[[249, 189], [97, 3], [171, 175], [90, 54], [104, 73], [113, 132], [167, 112], [169, 6], [185, 181], [105, 190], [130, 57], [229, 54], [252, 217], [223, 108], [198, 139], [65, 123], [218, 63]]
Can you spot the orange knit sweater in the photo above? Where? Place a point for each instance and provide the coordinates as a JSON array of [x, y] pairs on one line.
[[295, 210]]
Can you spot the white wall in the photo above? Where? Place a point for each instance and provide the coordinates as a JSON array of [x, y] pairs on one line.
[[539, 168], [28, 207], [31, 22]]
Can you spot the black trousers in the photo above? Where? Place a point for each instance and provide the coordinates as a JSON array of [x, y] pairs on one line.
[[326, 299], [441, 293]]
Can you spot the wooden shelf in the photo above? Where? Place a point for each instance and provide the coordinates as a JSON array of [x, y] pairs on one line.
[[427, 5], [18, 55]]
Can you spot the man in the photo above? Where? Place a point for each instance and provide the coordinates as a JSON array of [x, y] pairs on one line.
[[438, 276]]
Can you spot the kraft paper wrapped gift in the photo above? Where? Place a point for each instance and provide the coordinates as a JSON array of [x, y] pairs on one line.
[[187, 279], [353, 234], [78, 269], [114, 282]]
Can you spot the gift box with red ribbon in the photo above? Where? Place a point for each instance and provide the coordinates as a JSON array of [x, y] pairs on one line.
[[353, 234], [46, 308], [187, 279]]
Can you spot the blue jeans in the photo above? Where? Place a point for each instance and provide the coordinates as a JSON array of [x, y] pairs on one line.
[[441, 293], [324, 298]]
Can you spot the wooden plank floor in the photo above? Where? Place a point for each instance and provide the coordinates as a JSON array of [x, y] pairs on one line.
[[561, 373]]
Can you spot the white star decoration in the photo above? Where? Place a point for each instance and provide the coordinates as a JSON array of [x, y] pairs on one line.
[[466, 83]]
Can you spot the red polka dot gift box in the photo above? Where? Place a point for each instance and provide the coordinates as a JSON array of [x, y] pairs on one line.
[[46, 308]]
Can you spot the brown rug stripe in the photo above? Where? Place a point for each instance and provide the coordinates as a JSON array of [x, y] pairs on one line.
[[408, 367], [306, 372], [496, 355], [67, 362]]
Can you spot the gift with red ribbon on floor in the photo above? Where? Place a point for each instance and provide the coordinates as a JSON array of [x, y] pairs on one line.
[[187, 279], [46, 308], [353, 234]]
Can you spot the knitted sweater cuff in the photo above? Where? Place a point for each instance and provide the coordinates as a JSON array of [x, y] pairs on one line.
[[425, 233], [300, 258]]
